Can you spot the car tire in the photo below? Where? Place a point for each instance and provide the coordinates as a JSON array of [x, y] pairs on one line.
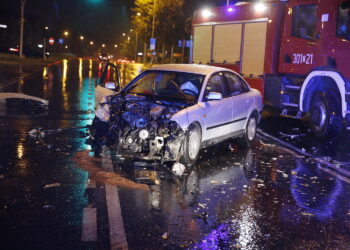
[[191, 145], [250, 131], [325, 117]]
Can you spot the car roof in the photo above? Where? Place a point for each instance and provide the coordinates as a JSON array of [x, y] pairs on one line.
[[189, 68]]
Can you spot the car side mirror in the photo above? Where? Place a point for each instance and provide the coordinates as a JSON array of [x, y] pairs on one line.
[[214, 96], [112, 86]]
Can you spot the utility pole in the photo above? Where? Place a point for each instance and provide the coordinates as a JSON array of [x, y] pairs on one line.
[[135, 46], [23, 2], [44, 49]]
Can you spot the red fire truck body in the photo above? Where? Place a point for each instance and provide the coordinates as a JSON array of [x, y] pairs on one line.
[[295, 52]]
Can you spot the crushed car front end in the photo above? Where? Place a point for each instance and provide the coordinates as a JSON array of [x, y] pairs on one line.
[[136, 126]]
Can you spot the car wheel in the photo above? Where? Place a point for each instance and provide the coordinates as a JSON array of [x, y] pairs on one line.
[[325, 115], [250, 131], [191, 145]]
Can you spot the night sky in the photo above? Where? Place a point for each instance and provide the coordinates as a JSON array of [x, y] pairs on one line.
[[98, 20]]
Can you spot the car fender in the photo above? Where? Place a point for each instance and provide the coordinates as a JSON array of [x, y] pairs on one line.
[[255, 106], [187, 116]]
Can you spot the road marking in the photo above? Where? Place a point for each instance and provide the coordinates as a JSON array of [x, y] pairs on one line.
[[89, 232], [115, 218], [117, 235], [106, 160]]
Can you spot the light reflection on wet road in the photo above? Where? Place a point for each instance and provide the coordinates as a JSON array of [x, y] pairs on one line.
[[258, 198]]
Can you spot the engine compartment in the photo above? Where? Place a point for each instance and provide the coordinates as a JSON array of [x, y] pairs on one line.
[[140, 126]]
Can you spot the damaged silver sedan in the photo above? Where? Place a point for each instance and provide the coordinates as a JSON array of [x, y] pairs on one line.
[[170, 112]]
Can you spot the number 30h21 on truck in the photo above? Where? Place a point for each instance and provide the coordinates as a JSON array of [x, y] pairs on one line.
[[295, 52]]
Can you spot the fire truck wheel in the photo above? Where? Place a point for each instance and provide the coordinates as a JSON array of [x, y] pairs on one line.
[[325, 117], [191, 145], [250, 132]]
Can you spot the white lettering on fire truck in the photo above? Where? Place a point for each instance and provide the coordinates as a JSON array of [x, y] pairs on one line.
[[303, 58]]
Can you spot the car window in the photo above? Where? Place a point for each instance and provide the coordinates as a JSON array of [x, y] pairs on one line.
[[236, 85], [145, 84], [304, 21], [168, 84], [343, 23], [216, 84]]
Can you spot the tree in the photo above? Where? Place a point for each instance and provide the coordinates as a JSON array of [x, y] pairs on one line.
[[173, 20]]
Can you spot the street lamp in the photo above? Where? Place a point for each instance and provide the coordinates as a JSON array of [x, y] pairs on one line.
[[115, 45], [46, 27], [103, 45], [23, 2], [66, 33], [138, 13], [91, 43], [81, 37]]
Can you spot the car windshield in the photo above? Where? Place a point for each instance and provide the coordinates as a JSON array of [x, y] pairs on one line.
[[167, 84]]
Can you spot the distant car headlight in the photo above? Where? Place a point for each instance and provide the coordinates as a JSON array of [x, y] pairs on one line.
[[143, 134]]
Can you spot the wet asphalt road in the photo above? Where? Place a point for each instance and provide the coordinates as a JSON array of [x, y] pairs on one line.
[[265, 197]]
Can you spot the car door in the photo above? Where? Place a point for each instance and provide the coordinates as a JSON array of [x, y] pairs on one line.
[[300, 47], [217, 115], [240, 99], [109, 77]]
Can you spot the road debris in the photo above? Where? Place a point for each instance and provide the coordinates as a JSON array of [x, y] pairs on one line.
[[165, 235], [291, 136], [178, 168], [307, 214], [56, 184]]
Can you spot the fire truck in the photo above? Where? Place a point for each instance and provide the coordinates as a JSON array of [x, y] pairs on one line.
[[296, 52]]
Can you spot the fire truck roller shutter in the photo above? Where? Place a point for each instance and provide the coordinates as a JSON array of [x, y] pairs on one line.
[[202, 40], [254, 42], [227, 43]]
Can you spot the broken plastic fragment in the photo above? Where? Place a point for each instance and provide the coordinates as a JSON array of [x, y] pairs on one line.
[[178, 168], [56, 184], [165, 235], [307, 214], [201, 205]]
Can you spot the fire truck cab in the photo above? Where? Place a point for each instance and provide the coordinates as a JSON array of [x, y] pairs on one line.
[[295, 52]]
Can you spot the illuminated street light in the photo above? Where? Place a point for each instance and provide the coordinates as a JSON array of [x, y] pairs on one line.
[[46, 27], [138, 13], [81, 37], [131, 30], [115, 45], [103, 45], [66, 33], [91, 43], [66, 46]]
